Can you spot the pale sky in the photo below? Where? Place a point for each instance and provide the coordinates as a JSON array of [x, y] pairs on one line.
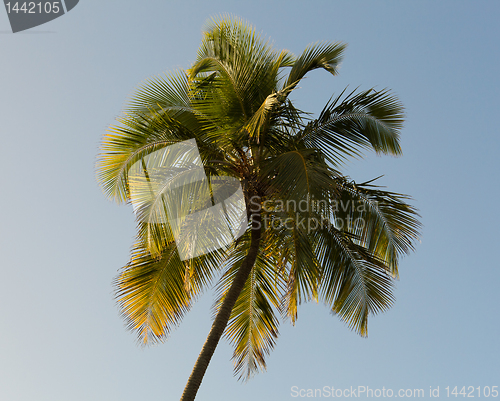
[[63, 83]]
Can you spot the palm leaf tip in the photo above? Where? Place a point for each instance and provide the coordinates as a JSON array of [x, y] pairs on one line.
[[320, 55]]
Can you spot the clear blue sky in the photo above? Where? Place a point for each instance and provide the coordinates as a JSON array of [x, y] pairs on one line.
[[63, 83]]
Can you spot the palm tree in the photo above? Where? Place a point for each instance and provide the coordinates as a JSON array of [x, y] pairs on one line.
[[313, 233]]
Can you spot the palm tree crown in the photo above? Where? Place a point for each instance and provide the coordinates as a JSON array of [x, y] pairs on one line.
[[313, 234]]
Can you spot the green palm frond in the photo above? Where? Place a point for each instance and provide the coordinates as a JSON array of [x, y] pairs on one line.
[[170, 95], [154, 293], [253, 326], [354, 282], [235, 79], [320, 55], [260, 120], [300, 176], [304, 271], [387, 225], [367, 120], [124, 145]]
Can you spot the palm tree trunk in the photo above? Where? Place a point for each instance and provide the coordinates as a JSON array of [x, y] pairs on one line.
[[224, 314]]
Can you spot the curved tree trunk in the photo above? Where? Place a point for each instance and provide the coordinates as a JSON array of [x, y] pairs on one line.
[[224, 314]]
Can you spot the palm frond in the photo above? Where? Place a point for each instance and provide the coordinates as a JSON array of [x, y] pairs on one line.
[[354, 282], [127, 143], [253, 326], [154, 293], [382, 221], [242, 68], [259, 122], [169, 94], [369, 120], [297, 174], [320, 55], [303, 268]]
